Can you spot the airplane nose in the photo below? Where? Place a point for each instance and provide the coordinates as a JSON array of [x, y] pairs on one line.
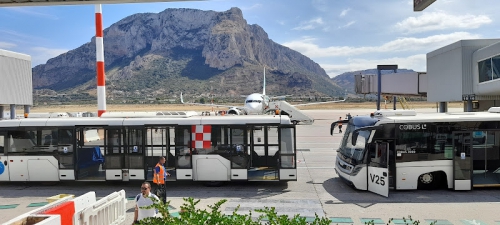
[[254, 106]]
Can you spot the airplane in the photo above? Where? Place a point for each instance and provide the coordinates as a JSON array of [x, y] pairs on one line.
[[256, 103]]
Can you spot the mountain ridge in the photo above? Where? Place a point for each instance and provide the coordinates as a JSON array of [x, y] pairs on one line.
[[188, 50]]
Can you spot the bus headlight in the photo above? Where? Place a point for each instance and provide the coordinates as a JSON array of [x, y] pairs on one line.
[[356, 170]]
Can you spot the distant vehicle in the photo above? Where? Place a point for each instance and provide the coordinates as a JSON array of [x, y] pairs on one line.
[[402, 150], [257, 103], [127, 146]]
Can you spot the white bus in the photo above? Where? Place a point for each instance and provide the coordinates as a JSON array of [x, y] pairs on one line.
[[402, 150], [212, 149]]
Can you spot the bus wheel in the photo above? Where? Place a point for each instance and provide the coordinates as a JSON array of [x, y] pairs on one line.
[[426, 181]]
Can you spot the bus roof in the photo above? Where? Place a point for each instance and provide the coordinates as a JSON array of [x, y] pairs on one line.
[[442, 117], [192, 120]]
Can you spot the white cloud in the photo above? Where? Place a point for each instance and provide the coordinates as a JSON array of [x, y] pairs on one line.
[[309, 25], [440, 21], [7, 45], [40, 55], [307, 46], [344, 12], [347, 25], [415, 62], [33, 13]]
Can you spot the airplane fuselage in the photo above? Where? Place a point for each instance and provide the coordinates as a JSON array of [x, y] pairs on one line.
[[256, 103]]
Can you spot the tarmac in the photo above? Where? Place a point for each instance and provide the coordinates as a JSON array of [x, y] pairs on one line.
[[318, 190]]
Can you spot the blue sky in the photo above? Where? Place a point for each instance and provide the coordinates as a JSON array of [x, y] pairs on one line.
[[340, 35]]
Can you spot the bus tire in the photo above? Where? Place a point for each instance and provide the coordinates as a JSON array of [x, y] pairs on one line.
[[428, 181]]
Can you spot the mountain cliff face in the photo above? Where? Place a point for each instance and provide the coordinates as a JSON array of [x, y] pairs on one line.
[[186, 50]]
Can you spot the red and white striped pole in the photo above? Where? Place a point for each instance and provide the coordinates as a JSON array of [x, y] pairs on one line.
[[99, 53]]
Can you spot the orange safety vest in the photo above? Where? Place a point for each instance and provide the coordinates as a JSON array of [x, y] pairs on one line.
[[161, 175]]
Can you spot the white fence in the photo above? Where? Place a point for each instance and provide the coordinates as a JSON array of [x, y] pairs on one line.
[[110, 210]]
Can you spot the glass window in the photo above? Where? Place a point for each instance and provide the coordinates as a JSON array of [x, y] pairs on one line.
[[134, 142], [485, 70], [182, 147], [113, 141], [287, 141], [422, 142], [2, 144], [495, 67], [272, 135], [33, 142]]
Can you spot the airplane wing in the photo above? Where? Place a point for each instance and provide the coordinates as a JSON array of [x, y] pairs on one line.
[[210, 104], [317, 103]]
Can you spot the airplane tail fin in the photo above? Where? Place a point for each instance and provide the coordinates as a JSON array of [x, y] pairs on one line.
[[264, 85], [182, 100]]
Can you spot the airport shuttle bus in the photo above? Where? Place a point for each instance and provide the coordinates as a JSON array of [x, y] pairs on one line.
[[212, 149], [402, 150]]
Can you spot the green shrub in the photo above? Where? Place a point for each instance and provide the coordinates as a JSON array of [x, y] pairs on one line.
[[189, 214]]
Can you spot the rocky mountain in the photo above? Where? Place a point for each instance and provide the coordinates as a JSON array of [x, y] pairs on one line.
[[346, 80], [186, 50]]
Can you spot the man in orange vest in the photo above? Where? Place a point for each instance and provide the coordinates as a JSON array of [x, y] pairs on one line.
[[159, 178]]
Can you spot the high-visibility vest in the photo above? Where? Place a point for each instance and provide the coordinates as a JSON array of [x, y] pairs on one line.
[[161, 175]]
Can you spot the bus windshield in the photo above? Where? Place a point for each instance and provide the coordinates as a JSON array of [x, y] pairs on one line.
[[346, 148]]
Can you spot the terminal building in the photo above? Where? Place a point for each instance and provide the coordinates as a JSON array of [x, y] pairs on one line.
[[467, 70], [16, 87]]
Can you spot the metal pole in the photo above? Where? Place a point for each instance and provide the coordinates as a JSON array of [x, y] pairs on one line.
[[394, 102], [443, 107], [469, 105], [12, 111], [379, 88], [26, 111]]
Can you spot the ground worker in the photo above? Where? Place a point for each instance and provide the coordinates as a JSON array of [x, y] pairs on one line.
[[159, 178]]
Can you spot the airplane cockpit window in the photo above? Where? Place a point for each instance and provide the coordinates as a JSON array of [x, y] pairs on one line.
[[250, 101]]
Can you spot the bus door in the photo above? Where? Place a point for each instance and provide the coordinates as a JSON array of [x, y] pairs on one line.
[[462, 160], [4, 160], [264, 152], [160, 141], [288, 153], [89, 162], [134, 154], [114, 153], [378, 168], [237, 145]]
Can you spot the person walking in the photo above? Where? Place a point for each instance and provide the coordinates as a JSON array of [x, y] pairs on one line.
[[159, 178], [143, 200], [339, 123]]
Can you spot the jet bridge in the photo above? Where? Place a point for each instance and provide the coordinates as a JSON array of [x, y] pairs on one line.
[[296, 115], [410, 84]]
